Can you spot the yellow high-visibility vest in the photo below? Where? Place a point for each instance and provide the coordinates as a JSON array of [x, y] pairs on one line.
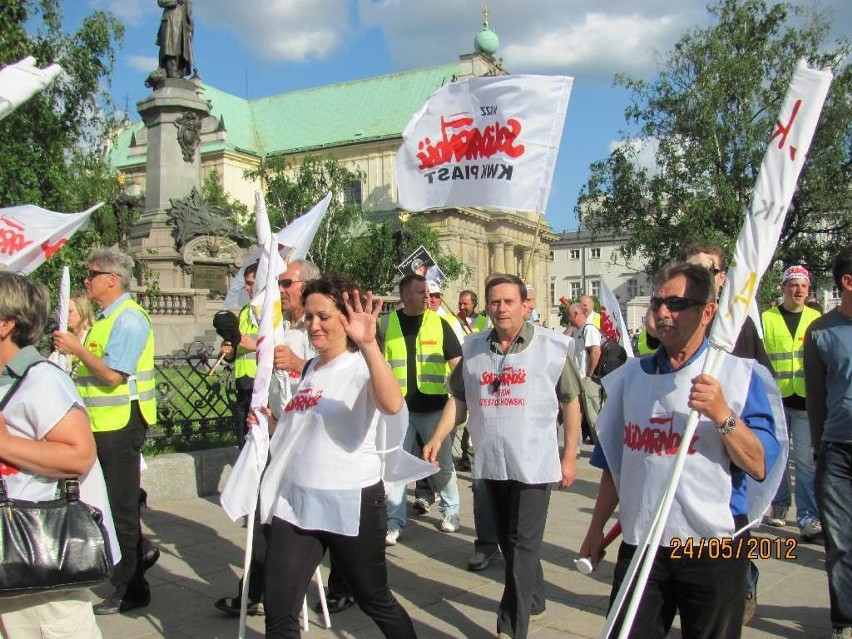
[[786, 351], [429, 360], [109, 406], [245, 363]]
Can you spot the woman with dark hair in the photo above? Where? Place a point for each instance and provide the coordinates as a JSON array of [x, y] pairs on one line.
[[323, 488]]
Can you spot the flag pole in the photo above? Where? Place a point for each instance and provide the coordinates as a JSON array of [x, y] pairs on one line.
[[533, 249]]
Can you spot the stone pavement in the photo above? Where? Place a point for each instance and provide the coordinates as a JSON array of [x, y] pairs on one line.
[[202, 554]]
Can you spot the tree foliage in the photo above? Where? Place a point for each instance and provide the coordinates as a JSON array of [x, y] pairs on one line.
[[347, 241], [711, 110], [50, 146]]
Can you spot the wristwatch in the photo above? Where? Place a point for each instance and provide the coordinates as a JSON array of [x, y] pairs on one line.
[[728, 425]]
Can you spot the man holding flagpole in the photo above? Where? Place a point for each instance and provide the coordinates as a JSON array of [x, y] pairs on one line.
[[700, 567]]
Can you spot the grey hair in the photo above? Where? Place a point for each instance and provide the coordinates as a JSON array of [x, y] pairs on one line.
[[307, 270], [576, 306], [113, 261], [27, 304]]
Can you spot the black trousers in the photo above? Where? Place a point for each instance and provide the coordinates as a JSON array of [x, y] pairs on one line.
[[520, 513], [119, 455], [709, 593], [241, 406], [293, 555]]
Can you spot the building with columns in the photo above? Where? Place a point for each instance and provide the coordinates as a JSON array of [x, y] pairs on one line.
[[358, 123]]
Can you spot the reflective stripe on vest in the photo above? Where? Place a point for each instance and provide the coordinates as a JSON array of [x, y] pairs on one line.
[[109, 406], [429, 359], [786, 351], [245, 363]]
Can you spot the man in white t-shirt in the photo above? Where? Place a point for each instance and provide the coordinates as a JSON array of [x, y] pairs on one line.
[[587, 353]]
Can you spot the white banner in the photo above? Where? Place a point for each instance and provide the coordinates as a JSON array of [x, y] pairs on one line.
[[490, 142], [62, 311], [29, 235], [21, 81], [612, 320], [776, 182]]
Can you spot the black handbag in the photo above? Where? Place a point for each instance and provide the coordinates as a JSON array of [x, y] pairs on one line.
[[50, 545]]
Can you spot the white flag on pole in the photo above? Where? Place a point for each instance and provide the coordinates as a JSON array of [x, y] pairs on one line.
[[487, 141], [21, 81], [62, 311], [29, 235], [773, 192], [611, 318]]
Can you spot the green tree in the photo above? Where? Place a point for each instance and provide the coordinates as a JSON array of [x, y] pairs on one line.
[[346, 241], [49, 147], [711, 110]]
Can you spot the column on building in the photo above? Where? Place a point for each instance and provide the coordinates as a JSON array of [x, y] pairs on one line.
[[496, 249], [510, 264]]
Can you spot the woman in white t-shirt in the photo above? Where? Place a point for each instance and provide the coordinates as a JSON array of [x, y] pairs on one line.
[[323, 487], [44, 435]]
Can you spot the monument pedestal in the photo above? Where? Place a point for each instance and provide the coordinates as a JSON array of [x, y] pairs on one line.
[[173, 115]]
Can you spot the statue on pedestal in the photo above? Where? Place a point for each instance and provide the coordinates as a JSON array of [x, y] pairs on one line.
[[175, 38]]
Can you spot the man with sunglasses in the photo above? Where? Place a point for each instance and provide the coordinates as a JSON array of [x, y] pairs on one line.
[[730, 474], [115, 378], [749, 345]]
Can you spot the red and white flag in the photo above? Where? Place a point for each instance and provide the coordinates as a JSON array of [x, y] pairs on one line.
[[29, 235], [776, 182], [489, 142]]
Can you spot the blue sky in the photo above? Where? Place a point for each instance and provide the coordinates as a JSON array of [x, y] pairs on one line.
[[254, 48]]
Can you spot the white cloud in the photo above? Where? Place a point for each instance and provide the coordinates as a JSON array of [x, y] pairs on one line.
[[128, 11], [288, 30], [144, 63], [642, 150]]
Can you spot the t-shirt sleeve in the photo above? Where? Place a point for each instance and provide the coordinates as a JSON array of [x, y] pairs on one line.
[[452, 347], [26, 406], [127, 341], [569, 381], [757, 413], [455, 383]]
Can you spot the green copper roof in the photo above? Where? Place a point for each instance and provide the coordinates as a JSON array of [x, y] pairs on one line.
[[312, 119]]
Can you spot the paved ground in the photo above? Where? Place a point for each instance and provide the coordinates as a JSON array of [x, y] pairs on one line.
[[202, 559]]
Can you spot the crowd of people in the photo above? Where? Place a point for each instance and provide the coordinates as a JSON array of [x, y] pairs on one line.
[[342, 368]]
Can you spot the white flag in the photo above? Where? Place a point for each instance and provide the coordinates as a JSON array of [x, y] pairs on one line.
[[294, 242], [21, 81], [776, 182], [611, 314], [490, 142], [29, 235]]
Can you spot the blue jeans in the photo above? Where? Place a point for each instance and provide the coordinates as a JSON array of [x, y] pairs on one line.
[[444, 480], [803, 460], [834, 495]]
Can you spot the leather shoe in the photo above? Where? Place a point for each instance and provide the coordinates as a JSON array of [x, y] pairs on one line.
[[231, 605], [150, 557], [480, 560], [121, 601], [335, 603]]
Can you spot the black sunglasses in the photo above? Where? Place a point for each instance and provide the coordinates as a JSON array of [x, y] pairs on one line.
[[287, 282], [93, 274], [674, 303]]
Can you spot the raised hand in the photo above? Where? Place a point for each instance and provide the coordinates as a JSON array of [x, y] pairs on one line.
[[359, 321]]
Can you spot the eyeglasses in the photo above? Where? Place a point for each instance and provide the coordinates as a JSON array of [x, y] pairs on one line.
[[674, 303], [287, 282], [93, 274]]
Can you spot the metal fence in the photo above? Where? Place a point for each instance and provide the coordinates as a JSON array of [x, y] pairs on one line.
[[193, 401]]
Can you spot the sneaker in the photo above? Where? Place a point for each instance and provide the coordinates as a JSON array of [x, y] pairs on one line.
[[480, 560], [776, 517], [811, 530], [463, 464], [422, 505], [450, 524], [231, 605], [842, 633], [335, 603], [392, 537]]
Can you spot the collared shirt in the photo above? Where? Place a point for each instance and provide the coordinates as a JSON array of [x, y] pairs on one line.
[[756, 413], [569, 382], [126, 340]]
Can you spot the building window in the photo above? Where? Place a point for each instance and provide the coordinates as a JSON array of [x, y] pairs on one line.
[[595, 253], [352, 194], [575, 254], [632, 288], [551, 256], [835, 293], [575, 290], [553, 290], [594, 288]]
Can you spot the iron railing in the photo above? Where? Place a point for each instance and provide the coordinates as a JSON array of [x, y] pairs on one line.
[[193, 401]]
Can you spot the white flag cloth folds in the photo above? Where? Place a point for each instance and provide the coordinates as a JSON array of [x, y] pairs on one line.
[[773, 192], [21, 81], [62, 310], [489, 141], [294, 241], [612, 309], [29, 235]]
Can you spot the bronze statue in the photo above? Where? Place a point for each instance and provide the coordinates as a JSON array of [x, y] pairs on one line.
[[175, 38]]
